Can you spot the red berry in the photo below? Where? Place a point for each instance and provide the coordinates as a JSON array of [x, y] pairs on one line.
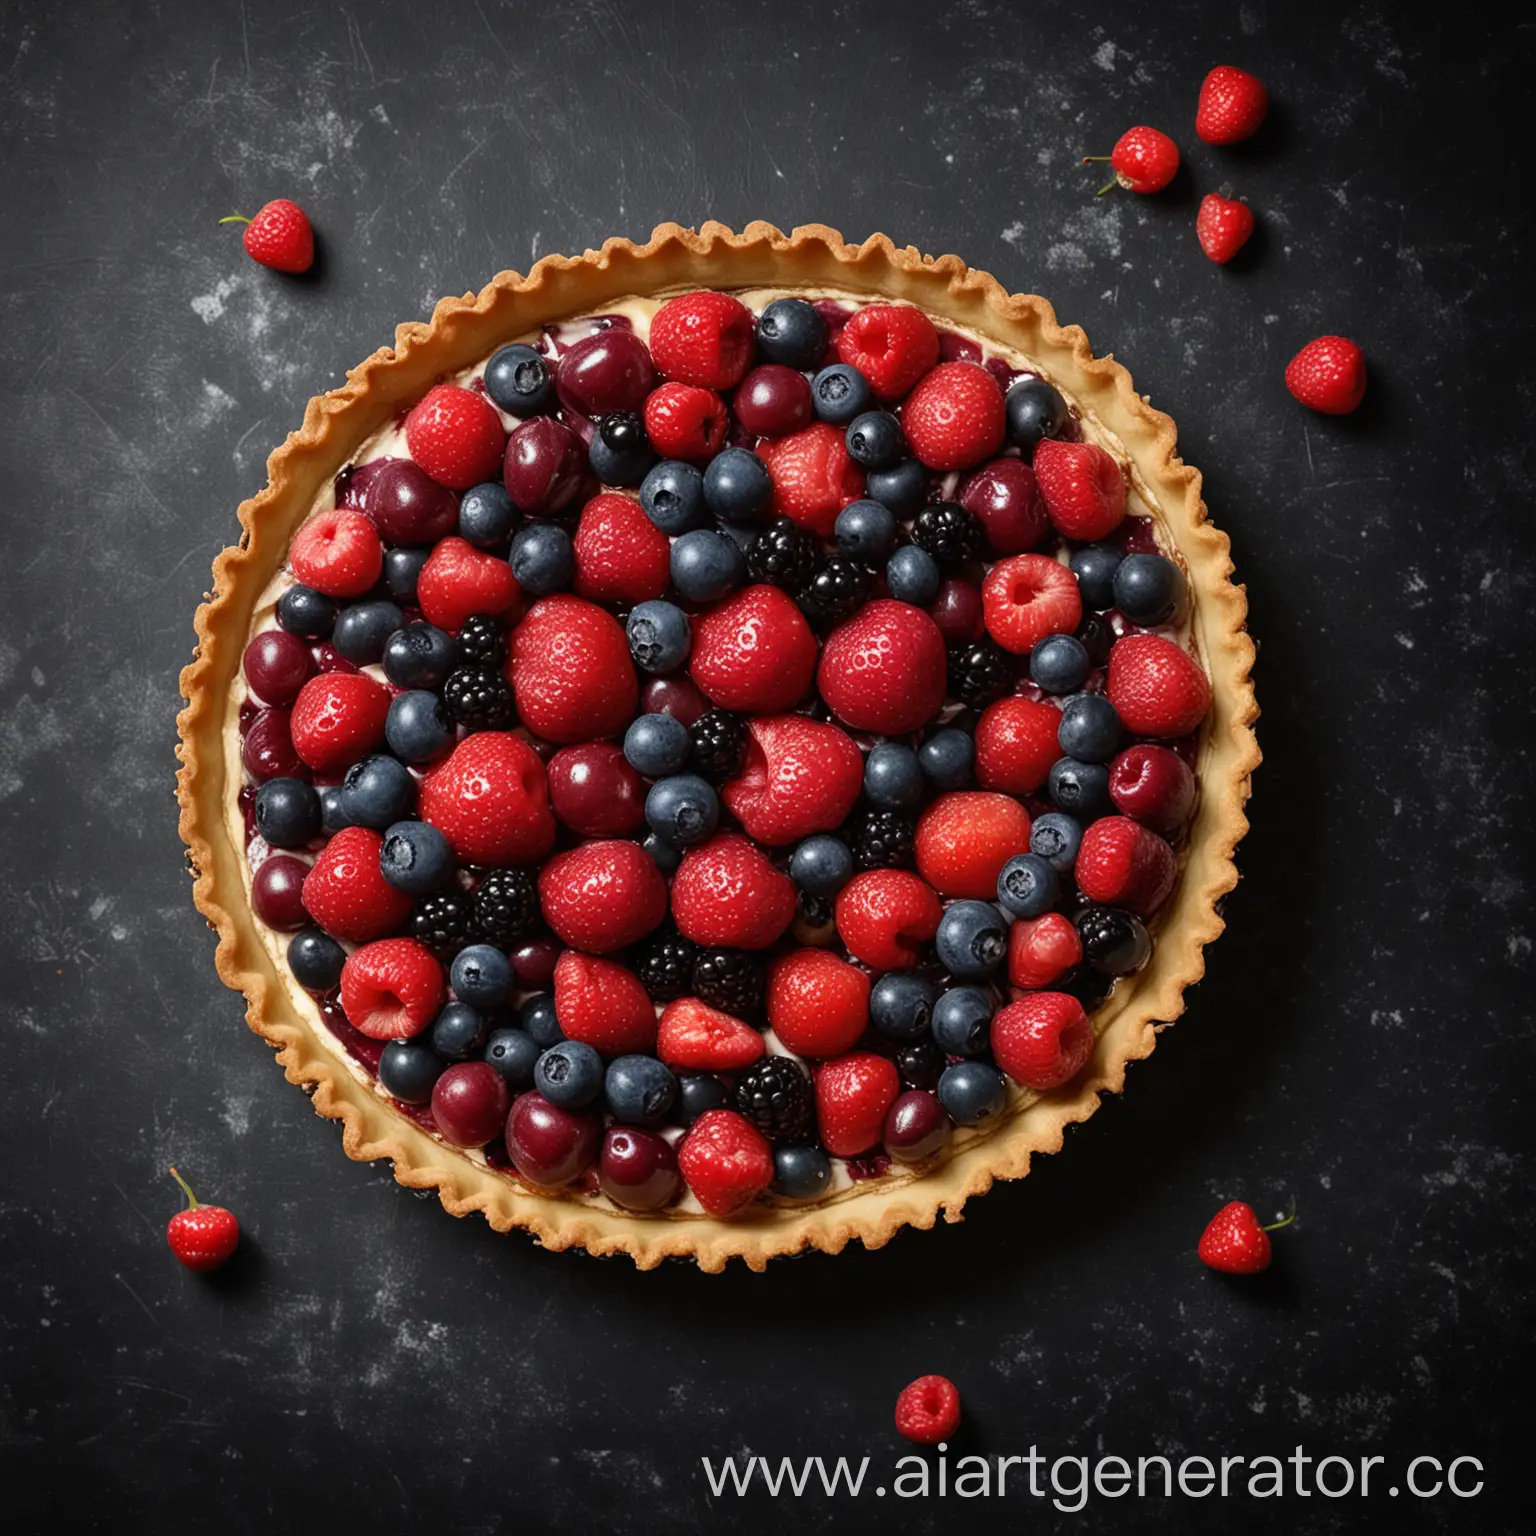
[[887, 917], [1328, 375], [392, 989], [800, 776], [754, 653], [1157, 688], [884, 670], [594, 791], [603, 1004], [1083, 488], [928, 1411], [609, 371], [346, 894], [726, 893], [1235, 1243], [1016, 744], [1124, 864], [407, 505], [676, 695], [1004, 495], [1042, 1040], [818, 1004], [459, 580], [469, 1104], [268, 751], [571, 671], [603, 896], [703, 338], [456, 435], [853, 1094], [954, 416], [965, 838], [915, 1127], [1222, 226], [686, 422], [694, 1037], [337, 719], [490, 799], [957, 611], [276, 665], [773, 401], [277, 892], [1153, 784], [622, 557], [279, 237], [201, 1236], [550, 1146], [892, 345], [813, 477], [337, 553], [1042, 950], [725, 1161], [545, 467], [1144, 160], [1027, 597], [638, 1169], [1232, 105]]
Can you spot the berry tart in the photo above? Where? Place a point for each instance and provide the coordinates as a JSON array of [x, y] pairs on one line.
[[719, 746]]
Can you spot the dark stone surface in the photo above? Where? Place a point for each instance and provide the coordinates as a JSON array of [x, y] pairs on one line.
[[1362, 1042]]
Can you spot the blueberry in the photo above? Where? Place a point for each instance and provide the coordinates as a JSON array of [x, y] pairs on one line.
[[1148, 588], [402, 570], [737, 485], [962, 1021], [409, 1070], [1082, 789], [377, 791], [892, 777], [947, 758], [697, 1094], [657, 745], [569, 1074], [706, 565], [639, 1090], [683, 809], [538, 1019], [1034, 410], [520, 381], [542, 558], [821, 865], [866, 532], [287, 813], [481, 976], [901, 1005], [791, 332], [1096, 637], [666, 856], [513, 1052], [418, 728], [972, 939], [660, 636], [306, 613], [459, 1033], [1027, 886], [486, 515], [1114, 942], [903, 487], [333, 814], [419, 656], [315, 959], [1059, 664], [840, 393], [1095, 569], [801, 1173], [874, 440], [362, 629], [672, 496], [972, 1092], [912, 574], [1056, 838], [416, 858], [620, 453], [1089, 728]]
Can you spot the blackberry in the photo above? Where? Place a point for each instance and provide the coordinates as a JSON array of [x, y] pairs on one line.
[[731, 980], [782, 554], [775, 1095], [506, 904], [952, 534], [481, 642], [1114, 942], [979, 672], [835, 591], [881, 840], [816, 911], [444, 923], [479, 698], [920, 1064], [664, 964], [719, 745]]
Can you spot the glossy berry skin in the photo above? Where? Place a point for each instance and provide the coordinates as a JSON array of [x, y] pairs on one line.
[[821, 865], [280, 237], [839, 394], [801, 1173], [915, 1128], [1027, 885], [737, 486], [672, 496], [1027, 597], [418, 728], [1232, 105], [315, 959], [726, 894], [519, 380], [928, 1410], [459, 581], [637, 1169], [682, 809], [1328, 375], [854, 1093], [886, 917], [697, 1094], [513, 1053], [416, 858], [903, 487], [965, 838], [277, 893], [542, 559], [277, 665], [456, 436], [269, 750], [486, 515], [1016, 744], [962, 1020], [891, 345], [1144, 160], [947, 758], [657, 745], [606, 372], [391, 989], [799, 776], [569, 1075], [481, 976], [694, 1037], [706, 565], [913, 576], [639, 1090], [287, 813], [972, 940], [1056, 837], [866, 532], [1090, 730], [813, 477], [957, 611], [754, 653], [570, 671], [602, 896], [602, 1004], [1059, 664], [954, 417], [544, 467], [490, 799], [972, 1092], [726, 1161], [1234, 1242], [345, 892], [337, 553], [1157, 689], [1042, 1040], [884, 670], [1222, 226], [901, 1005], [1005, 499], [1083, 487], [703, 338], [1095, 568], [550, 1146], [539, 1019], [408, 1070], [202, 1236], [594, 791], [376, 792], [1034, 410], [1147, 588], [817, 1003], [306, 612], [892, 776], [659, 636], [686, 422], [1080, 789], [791, 332], [1042, 950], [620, 453], [773, 401], [418, 655], [1153, 784], [407, 506], [1124, 864], [458, 1033]]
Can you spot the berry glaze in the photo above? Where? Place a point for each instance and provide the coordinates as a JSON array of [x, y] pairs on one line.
[[685, 794]]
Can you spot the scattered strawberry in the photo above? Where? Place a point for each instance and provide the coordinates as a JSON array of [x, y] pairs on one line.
[[686, 422], [1016, 744], [892, 345], [852, 1095], [490, 799], [886, 917], [726, 893], [703, 338], [1157, 688], [1083, 488], [459, 580], [456, 435], [1144, 160], [928, 1410], [337, 719], [800, 776], [965, 838], [694, 1037], [726, 1161], [885, 669], [954, 416], [1153, 784], [338, 553], [754, 653], [1042, 1040], [813, 477], [1235, 1243], [1027, 597], [1124, 864], [1222, 226], [622, 557], [1041, 950], [1328, 375], [603, 896], [818, 1004], [279, 237], [347, 895], [571, 672], [1232, 105], [603, 1004], [201, 1236], [392, 989]]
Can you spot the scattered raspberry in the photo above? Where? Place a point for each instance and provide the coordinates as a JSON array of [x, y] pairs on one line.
[[694, 1037], [954, 416], [1144, 160], [337, 719], [1157, 688], [1232, 105], [392, 990], [726, 893], [892, 345], [1328, 375], [753, 653], [887, 917], [602, 1004], [928, 1411], [603, 896], [1235, 1243], [201, 1236], [490, 799], [852, 1095], [1083, 488], [818, 1004], [813, 477], [1124, 864], [571, 672], [1041, 950], [1016, 744], [965, 838], [622, 557], [703, 338], [726, 1161], [800, 776], [279, 237], [1042, 1040], [345, 892], [884, 670], [686, 422], [337, 553], [456, 436], [1027, 597], [1222, 226], [459, 580]]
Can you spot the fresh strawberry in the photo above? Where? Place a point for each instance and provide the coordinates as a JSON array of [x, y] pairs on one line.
[[622, 557], [892, 345], [1144, 160], [603, 896], [686, 422], [697, 1038], [1222, 226], [885, 669], [954, 416], [754, 653], [1328, 375], [703, 338], [928, 1411], [392, 989], [1235, 1243], [1157, 688], [1153, 784], [602, 1004], [813, 476], [571, 672], [853, 1093], [201, 1236], [490, 799], [345, 892], [818, 1004], [1042, 950], [456, 435], [459, 580], [338, 718], [965, 838], [887, 917], [279, 237], [1083, 487], [726, 893], [1125, 864], [1027, 597], [725, 1161], [800, 776], [338, 553], [1232, 105], [1042, 1040], [1016, 744]]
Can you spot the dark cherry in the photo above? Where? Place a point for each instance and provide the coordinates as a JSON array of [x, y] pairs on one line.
[[247, 802], [1002, 373], [954, 348], [545, 467], [277, 890], [609, 371], [1003, 494], [915, 1127], [277, 665], [533, 963], [267, 751], [957, 611], [1153, 784], [329, 659], [561, 335], [677, 695], [354, 485], [408, 507], [594, 791], [469, 1103], [549, 1145], [638, 1169], [1135, 536], [773, 400]]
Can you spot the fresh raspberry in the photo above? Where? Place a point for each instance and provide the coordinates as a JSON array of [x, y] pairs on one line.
[[892, 345], [1153, 784], [887, 917], [456, 435], [459, 580], [338, 553], [602, 1004], [1016, 744], [622, 557], [1232, 105], [954, 416], [1157, 688], [603, 896], [753, 653], [703, 338], [345, 892], [1124, 864], [1083, 487], [800, 776], [965, 838], [818, 1004], [1042, 950], [279, 237], [884, 670], [490, 799], [928, 1410], [1235, 1243], [391, 990], [1328, 375], [726, 894], [852, 1095], [1222, 226], [571, 672], [1144, 160], [813, 477], [694, 1037], [726, 1161], [1027, 597], [686, 422], [337, 719], [201, 1236], [1042, 1040]]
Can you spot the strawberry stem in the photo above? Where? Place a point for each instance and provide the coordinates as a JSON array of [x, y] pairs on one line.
[[186, 1189], [1275, 1226], [234, 218]]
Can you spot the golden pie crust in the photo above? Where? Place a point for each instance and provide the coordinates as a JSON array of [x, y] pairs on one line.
[[463, 331]]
